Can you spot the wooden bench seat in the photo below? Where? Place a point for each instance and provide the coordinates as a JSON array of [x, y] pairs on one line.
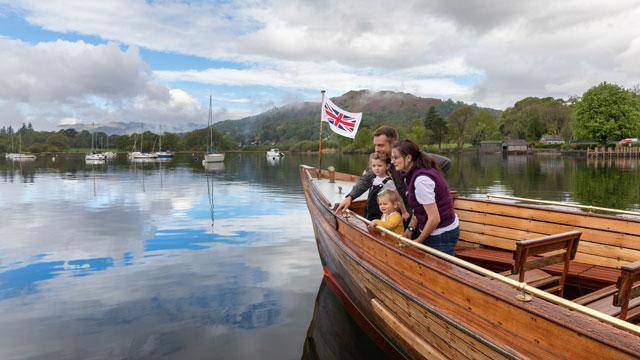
[[622, 299], [581, 275]]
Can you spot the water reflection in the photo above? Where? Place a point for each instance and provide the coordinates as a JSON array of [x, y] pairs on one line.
[[333, 334], [121, 260], [136, 271]]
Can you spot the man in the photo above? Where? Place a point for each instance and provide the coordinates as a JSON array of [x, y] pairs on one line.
[[383, 140]]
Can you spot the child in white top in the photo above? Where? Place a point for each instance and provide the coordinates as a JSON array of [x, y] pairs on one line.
[[379, 164]]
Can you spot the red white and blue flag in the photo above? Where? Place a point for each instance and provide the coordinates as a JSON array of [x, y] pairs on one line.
[[340, 121]]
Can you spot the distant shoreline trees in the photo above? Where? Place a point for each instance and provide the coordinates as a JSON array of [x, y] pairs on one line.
[[605, 113]]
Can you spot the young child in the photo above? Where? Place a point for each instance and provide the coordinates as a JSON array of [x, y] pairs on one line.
[[389, 202], [380, 167]]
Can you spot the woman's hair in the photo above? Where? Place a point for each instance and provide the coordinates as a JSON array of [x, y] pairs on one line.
[[375, 156], [420, 159], [392, 195]]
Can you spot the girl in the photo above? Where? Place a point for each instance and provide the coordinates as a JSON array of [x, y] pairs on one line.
[[428, 196], [389, 203], [379, 165]]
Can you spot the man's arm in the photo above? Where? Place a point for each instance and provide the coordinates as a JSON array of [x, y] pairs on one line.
[[363, 184], [444, 163]]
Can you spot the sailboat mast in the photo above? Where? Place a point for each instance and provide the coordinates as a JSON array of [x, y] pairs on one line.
[[210, 123]]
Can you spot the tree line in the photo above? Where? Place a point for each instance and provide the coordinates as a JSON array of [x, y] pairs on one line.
[[603, 114]]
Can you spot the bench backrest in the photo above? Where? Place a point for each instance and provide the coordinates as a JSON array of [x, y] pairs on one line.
[[627, 287], [606, 241], [544, 251]]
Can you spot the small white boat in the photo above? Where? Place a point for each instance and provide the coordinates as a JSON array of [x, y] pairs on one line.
[[22, 157], [95, 157], [213, 157], [136, 155], [109, 155], [274, 153]]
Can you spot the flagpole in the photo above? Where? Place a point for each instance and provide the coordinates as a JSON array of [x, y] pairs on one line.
[[320, 143]]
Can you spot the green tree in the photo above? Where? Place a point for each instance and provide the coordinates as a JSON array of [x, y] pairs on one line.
[[416, 132], [483, 126], [458, 123], [607, 112], [436, 127], [532, 117], [362, 141], [58, 142]]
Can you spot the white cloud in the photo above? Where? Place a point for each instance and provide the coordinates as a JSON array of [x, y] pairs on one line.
[[337, 78], [508, 50], [63, 83]]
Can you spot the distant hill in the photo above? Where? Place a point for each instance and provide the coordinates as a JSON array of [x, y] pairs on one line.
[[125, 128], [296, 122]]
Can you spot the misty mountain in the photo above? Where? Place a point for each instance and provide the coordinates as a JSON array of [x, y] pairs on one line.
[[296, 122]]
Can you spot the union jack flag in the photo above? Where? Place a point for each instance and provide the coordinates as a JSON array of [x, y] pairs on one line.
[[340, 121]]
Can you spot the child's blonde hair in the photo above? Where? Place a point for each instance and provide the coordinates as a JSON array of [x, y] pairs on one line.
[[391, 195]]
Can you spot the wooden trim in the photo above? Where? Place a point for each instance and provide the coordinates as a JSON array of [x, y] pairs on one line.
[[411, 341]]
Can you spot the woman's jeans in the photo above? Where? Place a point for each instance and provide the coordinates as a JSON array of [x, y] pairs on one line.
[[445, 242]]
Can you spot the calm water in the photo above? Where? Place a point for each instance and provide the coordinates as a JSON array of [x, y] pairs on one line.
[[167, 260]]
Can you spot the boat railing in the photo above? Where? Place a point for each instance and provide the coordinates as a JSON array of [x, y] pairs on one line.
[[522, 286], [549, 202]]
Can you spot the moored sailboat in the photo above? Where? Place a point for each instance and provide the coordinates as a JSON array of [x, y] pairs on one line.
[[212, 155], [141, 155], [20, 156], [94, 156], [427, 304]]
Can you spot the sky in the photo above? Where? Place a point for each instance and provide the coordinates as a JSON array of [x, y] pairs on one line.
[[66, 62]]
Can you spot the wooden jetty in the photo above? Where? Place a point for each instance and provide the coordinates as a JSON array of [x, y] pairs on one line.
[[614, 152], [427, 304]]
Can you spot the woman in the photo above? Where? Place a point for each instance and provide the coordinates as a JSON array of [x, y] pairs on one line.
[[428, 196]]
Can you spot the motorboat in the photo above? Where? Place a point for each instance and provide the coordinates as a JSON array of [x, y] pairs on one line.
[[274, 153], [164, 155]]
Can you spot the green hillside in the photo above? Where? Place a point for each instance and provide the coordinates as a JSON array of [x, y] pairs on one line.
[[293, 123]]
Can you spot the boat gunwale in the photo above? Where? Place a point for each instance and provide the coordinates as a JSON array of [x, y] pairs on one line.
[[542, 308]]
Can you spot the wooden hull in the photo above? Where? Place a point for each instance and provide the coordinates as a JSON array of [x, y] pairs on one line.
[[429, 308]]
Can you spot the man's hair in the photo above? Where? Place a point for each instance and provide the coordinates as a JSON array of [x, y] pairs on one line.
[[388, 131]]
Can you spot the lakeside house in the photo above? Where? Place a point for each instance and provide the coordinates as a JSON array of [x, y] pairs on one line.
[[551, 139]]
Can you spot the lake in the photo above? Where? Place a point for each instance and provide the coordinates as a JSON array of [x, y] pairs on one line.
[[169, 260]]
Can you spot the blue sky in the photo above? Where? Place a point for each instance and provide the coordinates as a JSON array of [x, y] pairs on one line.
[[157, 62]]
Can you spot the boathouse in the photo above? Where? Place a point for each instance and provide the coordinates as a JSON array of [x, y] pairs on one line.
[[515, 146]]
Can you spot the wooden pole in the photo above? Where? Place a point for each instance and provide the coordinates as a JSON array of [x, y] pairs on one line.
[[320, 143]]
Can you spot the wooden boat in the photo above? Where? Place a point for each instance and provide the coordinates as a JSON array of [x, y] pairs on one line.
[[427, 304]]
